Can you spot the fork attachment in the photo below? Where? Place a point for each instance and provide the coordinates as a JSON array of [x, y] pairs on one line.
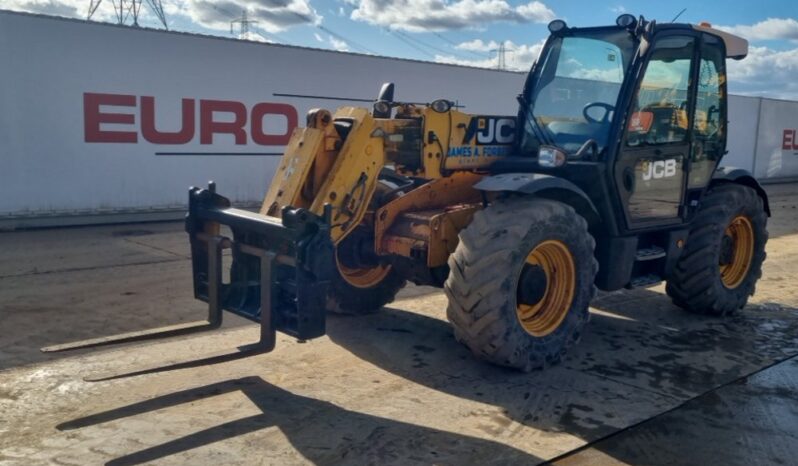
[[280, 270], [279, 273]]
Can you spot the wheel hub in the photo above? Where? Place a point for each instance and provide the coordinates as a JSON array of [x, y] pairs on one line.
[[546, 288], [726, 250], [532, 285], [736, 252]]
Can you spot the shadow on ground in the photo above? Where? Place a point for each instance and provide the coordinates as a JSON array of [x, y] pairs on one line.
[[640, 357], [389, 441]]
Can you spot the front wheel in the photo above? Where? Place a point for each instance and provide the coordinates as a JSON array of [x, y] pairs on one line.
[[362, 290], [722, 259], [521, 281]]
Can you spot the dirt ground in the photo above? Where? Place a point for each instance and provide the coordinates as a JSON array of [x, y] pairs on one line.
[[647, 384]]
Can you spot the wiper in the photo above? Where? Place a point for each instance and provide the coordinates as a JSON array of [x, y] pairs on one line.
[[539, 132]]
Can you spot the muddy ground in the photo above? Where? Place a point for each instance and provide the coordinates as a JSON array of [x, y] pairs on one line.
[[648, 383]]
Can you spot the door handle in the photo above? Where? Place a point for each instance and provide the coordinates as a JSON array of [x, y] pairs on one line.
[[629, 179]]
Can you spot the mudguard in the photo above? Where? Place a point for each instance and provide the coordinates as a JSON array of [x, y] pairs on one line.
[[741, 176], [548, 186]]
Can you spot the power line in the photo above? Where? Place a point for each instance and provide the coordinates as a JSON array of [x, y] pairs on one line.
[[425, 44], [411, 44], [677, 16], [307, 19], [348, 41], [456, 45]]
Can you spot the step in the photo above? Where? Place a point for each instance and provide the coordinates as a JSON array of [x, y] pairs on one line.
[[644, 280], [650, 253]]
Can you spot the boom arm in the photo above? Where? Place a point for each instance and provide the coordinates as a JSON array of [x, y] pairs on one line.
[[336, 161]]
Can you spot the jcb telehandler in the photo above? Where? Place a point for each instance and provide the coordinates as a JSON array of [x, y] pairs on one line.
[[607, 177]]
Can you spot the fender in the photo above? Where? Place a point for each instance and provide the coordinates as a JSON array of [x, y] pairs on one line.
[[542, 185], [743, 177]]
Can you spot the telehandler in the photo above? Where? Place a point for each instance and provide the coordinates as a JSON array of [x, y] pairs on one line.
[[607, 177]]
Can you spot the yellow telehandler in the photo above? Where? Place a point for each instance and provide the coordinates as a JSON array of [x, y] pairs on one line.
[[608, 176]]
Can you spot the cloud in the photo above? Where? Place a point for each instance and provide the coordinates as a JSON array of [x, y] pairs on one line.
[[336, 44], [618, 9], [765, 72], [518, 57], [49, 7], [440, 15], [477, 45], [769, 29], [80, 9], [271, 15], [339, 45]]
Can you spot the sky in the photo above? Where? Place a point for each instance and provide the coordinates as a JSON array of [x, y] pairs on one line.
[[470, 32]]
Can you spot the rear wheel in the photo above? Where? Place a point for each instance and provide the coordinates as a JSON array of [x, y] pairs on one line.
[[521, 281], [722, 259]]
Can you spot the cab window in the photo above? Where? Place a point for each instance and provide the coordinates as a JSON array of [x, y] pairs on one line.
[[708, 124], [660, 111]]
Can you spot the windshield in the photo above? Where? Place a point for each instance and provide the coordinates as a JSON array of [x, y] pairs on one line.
[[574, 97]]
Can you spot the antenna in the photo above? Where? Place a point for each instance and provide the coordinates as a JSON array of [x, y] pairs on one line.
[[244, 22], [677, 16], [130, 9]]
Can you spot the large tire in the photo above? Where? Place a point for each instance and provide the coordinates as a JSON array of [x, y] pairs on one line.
[[364, 291], [485, 272], [698, 283], [344, 297]]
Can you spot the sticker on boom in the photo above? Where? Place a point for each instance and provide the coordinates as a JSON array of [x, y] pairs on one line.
[[490, 130]]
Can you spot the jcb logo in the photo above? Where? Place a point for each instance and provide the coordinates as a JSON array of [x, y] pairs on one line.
[[659, 169], [490, 130]]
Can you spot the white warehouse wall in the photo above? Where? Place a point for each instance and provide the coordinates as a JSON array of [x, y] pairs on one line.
[[49, 64], [52, 167]]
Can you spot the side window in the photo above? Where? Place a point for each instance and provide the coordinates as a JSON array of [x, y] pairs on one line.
[[708, 125], [660, 111]]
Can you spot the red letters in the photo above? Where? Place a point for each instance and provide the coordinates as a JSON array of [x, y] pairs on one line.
[[788, 141], [212, 120], [151, 134], [93, 117], [209, 127], [259, 136]]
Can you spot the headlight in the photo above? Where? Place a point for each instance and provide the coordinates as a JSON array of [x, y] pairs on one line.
[[441, 105], [382, 109], [557, 25], [551, 157], [626, 21]]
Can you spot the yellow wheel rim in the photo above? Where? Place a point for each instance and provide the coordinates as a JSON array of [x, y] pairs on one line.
[[546, 315], [363, 278], [741, 233]]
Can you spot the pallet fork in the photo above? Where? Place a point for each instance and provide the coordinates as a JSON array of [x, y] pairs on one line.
[[278, 278]]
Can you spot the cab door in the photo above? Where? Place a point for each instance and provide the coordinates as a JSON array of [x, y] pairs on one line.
[[651, 168]]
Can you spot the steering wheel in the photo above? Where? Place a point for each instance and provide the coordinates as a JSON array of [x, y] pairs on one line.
[[607, 110]]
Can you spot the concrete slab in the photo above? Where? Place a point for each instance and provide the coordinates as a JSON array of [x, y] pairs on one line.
[[641, 339], [751, 421], [392, 387], [81, 248], [401, 394]]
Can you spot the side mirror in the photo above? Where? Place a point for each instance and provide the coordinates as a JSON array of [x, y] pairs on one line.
[[384, 99], [386, 92]]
